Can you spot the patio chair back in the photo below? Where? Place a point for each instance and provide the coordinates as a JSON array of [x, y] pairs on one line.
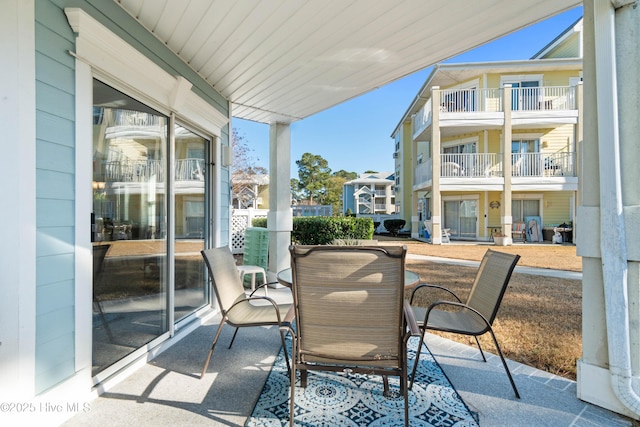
[[224, 276], [348, 302], [491, 283], [519, 231]]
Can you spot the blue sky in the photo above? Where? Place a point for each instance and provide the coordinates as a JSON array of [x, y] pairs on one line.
[[355, 135]]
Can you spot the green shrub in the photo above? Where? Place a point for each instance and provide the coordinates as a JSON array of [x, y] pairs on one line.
[[259, 222], [394, 225], [323, 230]]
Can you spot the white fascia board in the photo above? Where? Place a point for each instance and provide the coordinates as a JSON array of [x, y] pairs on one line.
[[110, 56]]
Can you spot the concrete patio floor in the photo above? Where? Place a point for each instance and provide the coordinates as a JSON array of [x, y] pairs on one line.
[[168, 390]]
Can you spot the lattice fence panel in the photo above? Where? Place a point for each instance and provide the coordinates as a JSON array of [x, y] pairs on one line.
[[240, 220]]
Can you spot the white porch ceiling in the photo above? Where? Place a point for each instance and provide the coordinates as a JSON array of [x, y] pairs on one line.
[[284, 60]]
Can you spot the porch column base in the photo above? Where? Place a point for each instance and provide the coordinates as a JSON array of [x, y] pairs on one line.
[[594, 386], [280, 224], [415, 227]]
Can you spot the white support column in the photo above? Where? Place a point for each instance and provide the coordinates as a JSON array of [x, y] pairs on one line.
[[279, 218], [415, 224], [18, 245], [436, 199], [609, 208], [506, 219]]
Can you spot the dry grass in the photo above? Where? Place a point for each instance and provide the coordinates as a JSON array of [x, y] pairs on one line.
[[539, 322]]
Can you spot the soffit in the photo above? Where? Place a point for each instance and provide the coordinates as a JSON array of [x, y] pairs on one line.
[[284, 60]]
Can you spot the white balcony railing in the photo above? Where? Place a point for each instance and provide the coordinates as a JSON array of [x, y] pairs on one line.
[[422, 119], [476, 165], [543, 164], [547, 98], [552, 98], [466, 100], [489, 100], [423, 173], [151, 170], [488, 165]]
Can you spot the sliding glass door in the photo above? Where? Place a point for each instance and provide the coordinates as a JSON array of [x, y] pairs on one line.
[[461, 218], [129, 225], [189, 201], [143, 281]]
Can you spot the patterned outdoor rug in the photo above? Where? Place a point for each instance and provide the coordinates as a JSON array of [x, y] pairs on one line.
[[337, 399]]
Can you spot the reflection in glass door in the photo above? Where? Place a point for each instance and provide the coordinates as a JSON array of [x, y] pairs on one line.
[[524, 95], [128, 225], [524, 208], [189, 200], [525, 160], [461, 218]]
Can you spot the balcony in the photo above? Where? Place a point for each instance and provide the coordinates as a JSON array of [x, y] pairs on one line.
[[542, 164], [526, 102], [151, 171], [480, 166], [422, 119]]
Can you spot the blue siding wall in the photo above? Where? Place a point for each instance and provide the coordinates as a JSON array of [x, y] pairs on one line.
[[55, 169], [55, 197]]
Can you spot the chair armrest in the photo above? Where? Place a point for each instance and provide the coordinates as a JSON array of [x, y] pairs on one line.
[[429, 286], [287, 322], [258, 287], [414, 330], [291, 314], [270, 300], [455, 304]]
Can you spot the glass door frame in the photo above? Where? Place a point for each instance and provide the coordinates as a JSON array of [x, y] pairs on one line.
[[169, 268], [459, 199]]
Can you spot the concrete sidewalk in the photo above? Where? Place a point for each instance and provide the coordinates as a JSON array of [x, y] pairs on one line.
[[524, 270]]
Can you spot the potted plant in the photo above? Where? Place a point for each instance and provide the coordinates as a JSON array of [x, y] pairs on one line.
[[501, 240]]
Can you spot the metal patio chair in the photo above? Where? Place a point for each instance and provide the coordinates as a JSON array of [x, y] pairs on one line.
[[350, 313], [236, 308], [519, 230], [475, 316]]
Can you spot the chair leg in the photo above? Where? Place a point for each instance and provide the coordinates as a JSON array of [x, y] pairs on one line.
[[233, 338], [385, 386], [504, 363], [284, 349], [480, 348], [213, 346], [405, 391], [415, 362], [292, 381]]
